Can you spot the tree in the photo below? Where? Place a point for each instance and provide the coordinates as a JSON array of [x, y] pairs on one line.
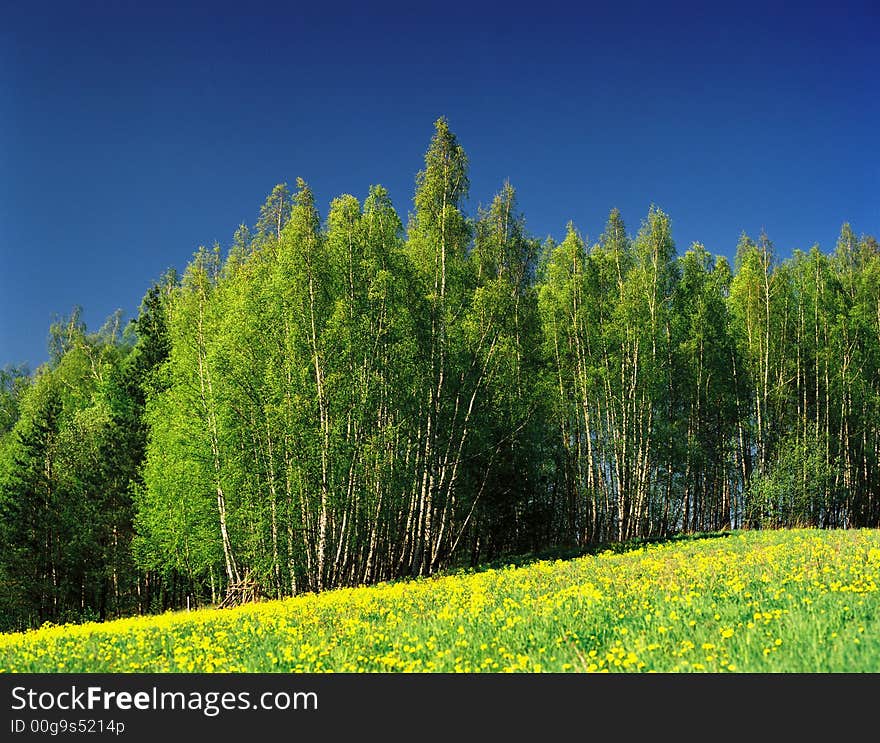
[[437, 242]]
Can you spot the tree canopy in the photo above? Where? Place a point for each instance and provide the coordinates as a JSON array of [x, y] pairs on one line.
[[344, 399]]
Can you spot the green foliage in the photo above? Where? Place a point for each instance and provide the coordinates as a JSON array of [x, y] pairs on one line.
[[799, 488], [339, 400], [68, 462]]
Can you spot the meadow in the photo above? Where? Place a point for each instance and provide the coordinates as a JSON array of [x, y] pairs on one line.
[[770, 601]]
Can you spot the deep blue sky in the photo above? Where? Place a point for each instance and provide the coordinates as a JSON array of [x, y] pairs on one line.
[[131, 133]]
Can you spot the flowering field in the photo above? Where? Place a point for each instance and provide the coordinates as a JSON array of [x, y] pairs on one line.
[[776, 601]]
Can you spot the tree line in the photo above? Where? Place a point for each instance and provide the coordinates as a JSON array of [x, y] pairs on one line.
[[347, 400]]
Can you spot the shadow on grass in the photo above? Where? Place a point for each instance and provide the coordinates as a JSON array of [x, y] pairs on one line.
[[572, 552]]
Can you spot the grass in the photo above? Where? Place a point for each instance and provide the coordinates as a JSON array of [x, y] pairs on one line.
[[776, 601]]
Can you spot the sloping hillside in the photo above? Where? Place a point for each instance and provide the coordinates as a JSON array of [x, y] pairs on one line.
[[790, 601]]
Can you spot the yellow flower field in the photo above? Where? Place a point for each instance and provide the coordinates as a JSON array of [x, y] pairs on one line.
[[774, 601]]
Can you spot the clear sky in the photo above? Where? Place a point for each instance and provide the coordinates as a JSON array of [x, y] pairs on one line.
[[133, 132]]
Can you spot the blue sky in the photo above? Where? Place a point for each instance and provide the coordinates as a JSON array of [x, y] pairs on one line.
[[131, 133]]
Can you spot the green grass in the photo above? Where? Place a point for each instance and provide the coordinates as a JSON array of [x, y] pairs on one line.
[[776, 601]]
